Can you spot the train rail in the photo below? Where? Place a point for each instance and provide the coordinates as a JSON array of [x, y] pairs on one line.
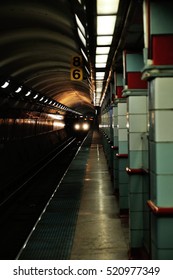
[[21, 208]]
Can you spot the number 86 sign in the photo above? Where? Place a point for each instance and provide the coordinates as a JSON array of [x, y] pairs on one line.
[[76, 71]]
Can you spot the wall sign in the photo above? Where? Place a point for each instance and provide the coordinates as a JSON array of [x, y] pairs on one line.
[[76, 71]]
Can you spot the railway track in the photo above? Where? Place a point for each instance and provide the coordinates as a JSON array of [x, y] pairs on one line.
[[21, 208]]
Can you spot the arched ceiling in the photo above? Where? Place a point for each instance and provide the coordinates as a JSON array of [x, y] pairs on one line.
[[37, 43]]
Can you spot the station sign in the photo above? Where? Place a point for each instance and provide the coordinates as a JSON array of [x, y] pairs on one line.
[[76, 71]]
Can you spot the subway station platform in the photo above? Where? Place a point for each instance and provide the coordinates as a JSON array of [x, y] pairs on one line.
[[81, 220]]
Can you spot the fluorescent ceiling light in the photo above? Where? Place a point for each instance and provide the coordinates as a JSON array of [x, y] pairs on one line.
[[107, 6], [80, 25], [104, 40], [100, 74], [99, 87], [98, 91], [99, 83], [105, 25], [18, 89], [102, 50], [81, 36], [6, 84], [57, 117], [87, 70], [101, 58], [84, 54], [28, 93], [100, 65], [35, 96]]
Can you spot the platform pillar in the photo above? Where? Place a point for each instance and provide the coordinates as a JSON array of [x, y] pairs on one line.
[[115, 148], [122, 156], [158, 22], [135, 91]]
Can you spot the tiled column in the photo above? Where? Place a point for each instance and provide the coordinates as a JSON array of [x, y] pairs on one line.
[[136, 93], [122, 156], [115, 148], [118, 87], [137, 126], [161, 166], [159, 72]]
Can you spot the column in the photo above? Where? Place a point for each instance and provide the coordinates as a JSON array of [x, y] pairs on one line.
[[136, 92], [159, 73], [122, 156], [115, 148], [118, 87]]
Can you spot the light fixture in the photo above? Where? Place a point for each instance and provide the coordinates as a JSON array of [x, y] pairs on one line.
[[104, 40], [100, 75], [81, 36], [18, 89], [102, 50], [80, 25], [41, 98], [84, 55], [35, 96], [28, 93], [107, 6], [6, 84], [106, 24], [100, 65], [56, 116], [101, 58]]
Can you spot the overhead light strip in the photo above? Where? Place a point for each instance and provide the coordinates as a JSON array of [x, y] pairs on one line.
[[107, 6], [106, 20], [106, 24]]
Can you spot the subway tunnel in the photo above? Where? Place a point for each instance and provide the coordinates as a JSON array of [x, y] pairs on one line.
[[109, 64]]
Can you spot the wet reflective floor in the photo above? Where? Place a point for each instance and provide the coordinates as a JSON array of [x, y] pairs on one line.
[[100, 233]]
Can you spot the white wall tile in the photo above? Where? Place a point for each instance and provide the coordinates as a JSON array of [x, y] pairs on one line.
[[122, 109], [137, 104], [135, 141], [122, 134], [161, 126], [137, 123], [122, 121], [161, 93]]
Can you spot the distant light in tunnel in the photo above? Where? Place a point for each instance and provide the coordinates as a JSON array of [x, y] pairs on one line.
[[35, 96], [18, 89], [41, 98], [58, 124], [46, 100], [28, 93], [56, 117], [6, 84]]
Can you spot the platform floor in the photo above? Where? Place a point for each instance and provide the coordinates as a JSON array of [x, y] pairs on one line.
[[100, 233], [82, 219]]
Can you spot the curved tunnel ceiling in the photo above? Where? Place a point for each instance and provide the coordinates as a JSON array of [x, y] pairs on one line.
[[39, 38], [37, 44]]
